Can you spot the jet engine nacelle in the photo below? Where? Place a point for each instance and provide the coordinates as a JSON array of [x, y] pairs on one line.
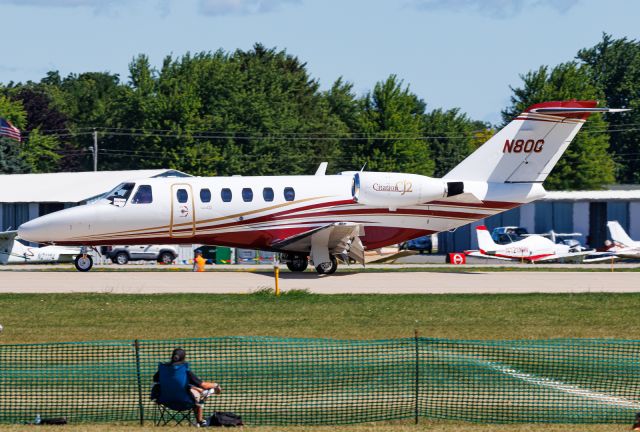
[[400, 190]]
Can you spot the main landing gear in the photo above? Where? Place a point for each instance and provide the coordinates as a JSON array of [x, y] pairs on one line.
[[299, 263], [84, 261], [328, 267]]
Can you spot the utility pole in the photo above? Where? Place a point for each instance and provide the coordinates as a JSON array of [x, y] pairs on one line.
[[95, 150]]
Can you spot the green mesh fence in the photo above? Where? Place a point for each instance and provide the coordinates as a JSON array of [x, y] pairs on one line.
[[321, 381]]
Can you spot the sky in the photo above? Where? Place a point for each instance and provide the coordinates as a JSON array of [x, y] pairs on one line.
[[452, 53]]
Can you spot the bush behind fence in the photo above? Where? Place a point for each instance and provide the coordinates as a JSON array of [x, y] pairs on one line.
[[277, 381]]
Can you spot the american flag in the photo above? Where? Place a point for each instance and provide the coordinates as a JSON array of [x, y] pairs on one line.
[[8, 130]]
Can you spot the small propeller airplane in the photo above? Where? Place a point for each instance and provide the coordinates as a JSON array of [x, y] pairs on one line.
[[321, 217], [519, 246], [623, 245], [12, 251]]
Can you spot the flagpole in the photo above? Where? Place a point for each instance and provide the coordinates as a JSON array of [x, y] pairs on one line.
[[95, 150]]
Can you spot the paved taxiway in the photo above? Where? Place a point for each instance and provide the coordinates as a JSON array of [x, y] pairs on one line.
[[468, 281]]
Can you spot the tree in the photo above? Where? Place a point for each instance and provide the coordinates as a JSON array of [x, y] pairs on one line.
[[586, 163], [41, 152], [615, 68], [391, 121], [451, 136], [11, 161]]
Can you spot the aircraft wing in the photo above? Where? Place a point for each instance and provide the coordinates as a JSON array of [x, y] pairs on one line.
[[344, 239], [8, 235], [6, 245], [571, 256], [382, 258], [478, 254], [600, 257]]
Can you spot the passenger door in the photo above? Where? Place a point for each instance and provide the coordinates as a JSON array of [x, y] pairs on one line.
[[183, 218]]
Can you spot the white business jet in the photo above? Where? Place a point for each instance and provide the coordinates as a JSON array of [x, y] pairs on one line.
[[325, 216], [12, 251], [532, 248], [623, 245]]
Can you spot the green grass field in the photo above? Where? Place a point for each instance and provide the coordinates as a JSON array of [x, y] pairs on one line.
[[78, 317], [369, 427]]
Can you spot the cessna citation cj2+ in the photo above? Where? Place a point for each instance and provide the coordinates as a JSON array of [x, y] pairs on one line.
[[325, 216]]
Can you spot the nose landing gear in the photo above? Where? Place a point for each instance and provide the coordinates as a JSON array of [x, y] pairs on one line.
[[84, 261]]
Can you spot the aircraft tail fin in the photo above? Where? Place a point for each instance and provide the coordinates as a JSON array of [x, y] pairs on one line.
[[6, 245], [527, 149], [485, 242], [619, 235]]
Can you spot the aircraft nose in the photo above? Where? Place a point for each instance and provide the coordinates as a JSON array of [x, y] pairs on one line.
[[33, 231], [60, 226]]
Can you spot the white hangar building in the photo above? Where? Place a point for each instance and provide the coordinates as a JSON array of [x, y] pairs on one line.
[[585, 212], [27, 196]]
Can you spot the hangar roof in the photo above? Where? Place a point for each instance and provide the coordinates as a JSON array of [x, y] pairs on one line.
[[600, 195], [70, 187]]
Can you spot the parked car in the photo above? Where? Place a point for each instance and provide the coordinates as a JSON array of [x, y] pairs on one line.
[[420, 244], [164, 254]]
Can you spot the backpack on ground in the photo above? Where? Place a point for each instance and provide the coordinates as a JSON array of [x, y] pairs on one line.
[[227, 419]]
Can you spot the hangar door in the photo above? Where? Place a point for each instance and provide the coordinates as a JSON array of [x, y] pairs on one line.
[[597, 224]]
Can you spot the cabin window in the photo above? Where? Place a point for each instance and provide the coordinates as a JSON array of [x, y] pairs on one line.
[[205, 195], [143, 195], [267, 194], [289, 194], [226, 195], [247, 194], [182, 195]]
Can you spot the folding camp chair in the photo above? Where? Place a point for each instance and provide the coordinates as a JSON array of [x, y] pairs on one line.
[[173, 400]]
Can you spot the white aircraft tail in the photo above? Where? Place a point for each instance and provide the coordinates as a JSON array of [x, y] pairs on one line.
[[619, 235], [527, 149], [6, 245], [485, 242]]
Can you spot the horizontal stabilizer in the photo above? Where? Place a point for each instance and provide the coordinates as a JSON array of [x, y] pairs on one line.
[[563, 110]]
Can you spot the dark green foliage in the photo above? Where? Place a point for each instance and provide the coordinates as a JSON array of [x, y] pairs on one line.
[[259, 112], [586, 164], [11, 160], [391, 124], [451, 137], [615, 67]]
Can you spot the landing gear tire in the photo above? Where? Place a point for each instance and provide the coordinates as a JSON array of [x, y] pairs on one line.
[[328, 268], [122, 258], [83, 263], [297, 263]]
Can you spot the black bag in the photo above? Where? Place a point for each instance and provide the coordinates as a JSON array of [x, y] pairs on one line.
[[227, 419], [54, 421]]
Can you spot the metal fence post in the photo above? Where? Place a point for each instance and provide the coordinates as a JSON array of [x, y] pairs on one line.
[[136, 346], [417, 374]]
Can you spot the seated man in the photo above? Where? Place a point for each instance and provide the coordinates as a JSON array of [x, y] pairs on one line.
[[197, 389]]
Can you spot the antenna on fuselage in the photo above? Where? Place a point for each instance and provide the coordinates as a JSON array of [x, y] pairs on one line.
[[363, 166]]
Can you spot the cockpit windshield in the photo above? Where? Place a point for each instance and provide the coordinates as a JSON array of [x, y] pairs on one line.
[[506, 235], [120, 194]]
